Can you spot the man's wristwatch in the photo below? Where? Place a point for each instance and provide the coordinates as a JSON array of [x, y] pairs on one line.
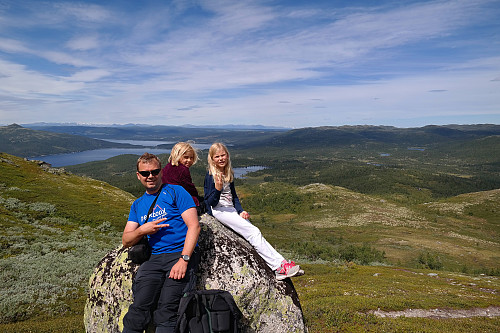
[[185, 257]]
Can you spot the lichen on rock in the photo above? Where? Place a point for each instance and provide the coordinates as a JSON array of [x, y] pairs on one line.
[[228, 262]]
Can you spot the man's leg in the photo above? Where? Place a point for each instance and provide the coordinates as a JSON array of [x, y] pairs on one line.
[[165, 316], [146, 289]]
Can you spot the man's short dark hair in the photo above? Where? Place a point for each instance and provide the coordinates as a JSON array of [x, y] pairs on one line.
[[148, 158]]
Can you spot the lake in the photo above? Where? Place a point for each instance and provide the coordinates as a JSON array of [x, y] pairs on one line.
[[62, 160], [240, 172]]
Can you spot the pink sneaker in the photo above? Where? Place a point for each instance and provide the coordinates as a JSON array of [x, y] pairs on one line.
[[286, 270]]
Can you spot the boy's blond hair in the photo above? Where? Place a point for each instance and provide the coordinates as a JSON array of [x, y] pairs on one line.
[[180, 149], [228, 170]]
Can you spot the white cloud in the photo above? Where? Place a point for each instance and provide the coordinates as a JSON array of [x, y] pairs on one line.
[[215, 47], [12, 46], [89, 75], [240, 59], [63, 58], [233, 18], [83, 43], [81, 11], [17, 80]]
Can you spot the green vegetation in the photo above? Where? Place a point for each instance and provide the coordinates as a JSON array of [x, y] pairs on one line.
[[376, 225], [20, 141], [334, 224], [342, 298], [406, 176], [51, 237]]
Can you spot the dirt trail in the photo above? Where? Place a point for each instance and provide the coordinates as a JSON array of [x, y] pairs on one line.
[[492, 311]]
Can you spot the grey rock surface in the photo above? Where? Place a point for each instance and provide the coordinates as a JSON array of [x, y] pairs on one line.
[[228, 262]]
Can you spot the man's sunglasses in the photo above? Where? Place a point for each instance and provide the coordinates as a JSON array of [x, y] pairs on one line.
[[146, 174]]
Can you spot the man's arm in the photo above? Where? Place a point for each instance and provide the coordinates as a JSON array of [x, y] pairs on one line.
[[133, 232], [190, 217]]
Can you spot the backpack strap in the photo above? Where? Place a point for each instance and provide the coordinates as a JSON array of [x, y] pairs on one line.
[[184, 304], [234, 309], [153, 204]]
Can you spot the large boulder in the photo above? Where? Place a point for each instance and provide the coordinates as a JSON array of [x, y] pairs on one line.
[[228, 262]]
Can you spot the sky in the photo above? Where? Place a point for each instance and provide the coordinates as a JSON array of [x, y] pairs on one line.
[[273, 63]]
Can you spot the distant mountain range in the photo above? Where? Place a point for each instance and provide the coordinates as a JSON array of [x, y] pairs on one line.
[[42, 125], [346, 135], [44, 139]]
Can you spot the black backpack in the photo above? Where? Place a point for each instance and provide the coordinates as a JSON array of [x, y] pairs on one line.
[[208, 311]]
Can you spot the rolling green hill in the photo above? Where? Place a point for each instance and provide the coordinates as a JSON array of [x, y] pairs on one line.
[[59, 225], [347, 135], [25, 142], [324, 222], [311, 137], [405, 165], [393, 172], [232, 135], [374, 223], [54, 228]]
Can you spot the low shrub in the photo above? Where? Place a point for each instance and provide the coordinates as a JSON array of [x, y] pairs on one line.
[[430, 260], [363, 254]]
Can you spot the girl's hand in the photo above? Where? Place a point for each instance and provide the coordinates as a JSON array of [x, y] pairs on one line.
[[218, 181], [245, 215]]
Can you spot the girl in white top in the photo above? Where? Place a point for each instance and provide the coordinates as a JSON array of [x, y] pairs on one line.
[[223, 203]]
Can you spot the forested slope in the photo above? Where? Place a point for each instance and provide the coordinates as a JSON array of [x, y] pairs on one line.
[[25, 142]]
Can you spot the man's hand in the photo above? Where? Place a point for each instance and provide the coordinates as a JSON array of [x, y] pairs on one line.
[[133, 232], [152, 227], [245, 215], [178, 271]]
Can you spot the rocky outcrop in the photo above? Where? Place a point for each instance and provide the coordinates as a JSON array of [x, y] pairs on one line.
[[228, 262], [110, 293]]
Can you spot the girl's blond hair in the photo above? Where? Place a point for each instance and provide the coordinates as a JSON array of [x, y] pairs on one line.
[[179, 150], [228, 172]]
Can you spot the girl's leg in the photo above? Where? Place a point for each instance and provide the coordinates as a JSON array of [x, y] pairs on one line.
[[230, 218]]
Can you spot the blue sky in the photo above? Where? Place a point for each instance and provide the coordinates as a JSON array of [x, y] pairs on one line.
[[275, 63]]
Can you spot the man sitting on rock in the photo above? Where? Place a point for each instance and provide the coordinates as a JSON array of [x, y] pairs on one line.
[[161, 281]]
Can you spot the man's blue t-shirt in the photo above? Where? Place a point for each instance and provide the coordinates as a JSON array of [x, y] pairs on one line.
[[172, 202]]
